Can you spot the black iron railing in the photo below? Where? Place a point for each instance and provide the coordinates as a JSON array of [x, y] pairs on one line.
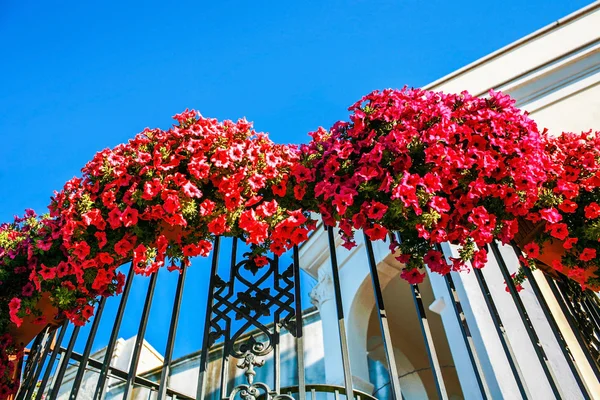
[[252, 307]]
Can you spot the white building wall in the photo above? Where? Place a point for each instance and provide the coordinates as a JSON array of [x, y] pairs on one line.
[[554, 74]]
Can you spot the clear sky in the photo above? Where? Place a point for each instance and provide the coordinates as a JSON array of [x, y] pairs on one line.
[[77, 77]]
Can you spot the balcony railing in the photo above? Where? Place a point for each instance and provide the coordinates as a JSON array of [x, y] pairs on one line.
[[254, 312]]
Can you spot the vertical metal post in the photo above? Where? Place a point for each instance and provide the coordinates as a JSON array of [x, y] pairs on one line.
[[299, 327], [139, 340], [340, 314], [114, 335], [429, 345], [55, 352], [276, 334], [64, 363], [205, 340], [87, 350], [467, 338], [33, 363], [31, 388], [166, 369], [535, 341], [225, 358], [566, 308], [554, 327], [383, 322], [508, 351]]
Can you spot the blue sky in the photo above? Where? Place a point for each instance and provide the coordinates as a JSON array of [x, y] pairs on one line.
[[77, 77]]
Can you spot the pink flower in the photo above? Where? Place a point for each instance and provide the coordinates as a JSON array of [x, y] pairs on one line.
[[551, 215]]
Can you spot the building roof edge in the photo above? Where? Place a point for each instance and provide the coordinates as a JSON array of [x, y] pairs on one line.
[[532, 36]]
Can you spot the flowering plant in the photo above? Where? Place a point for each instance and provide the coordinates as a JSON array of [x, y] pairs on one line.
[[159, 199], [9, 356], [568, 210], [434, 167]]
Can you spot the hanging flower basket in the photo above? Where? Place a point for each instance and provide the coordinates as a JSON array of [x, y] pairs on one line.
[[550, 251], [33, 325]]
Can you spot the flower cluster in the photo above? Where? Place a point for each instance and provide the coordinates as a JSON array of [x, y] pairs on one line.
[[431, 167], [9, 356], [568, 209], [158, 200], [434, 167], [163, 197]]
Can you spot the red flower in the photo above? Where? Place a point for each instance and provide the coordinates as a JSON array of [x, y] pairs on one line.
[[47, 273], [218, 226], [151, 189], [592, 210], [101, 236], [568, 244], [105, 259], [376, 210], [87, 312], [377, 232], [479, 259], [559, 231], [81, 250], [532, 250], [587, 254], [129, 217], [412, 276], [114, 218], [124, 246], [261, 261], [568, 206], [203, 248]]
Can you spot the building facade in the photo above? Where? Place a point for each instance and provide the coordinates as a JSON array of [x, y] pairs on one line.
[[465, 337]]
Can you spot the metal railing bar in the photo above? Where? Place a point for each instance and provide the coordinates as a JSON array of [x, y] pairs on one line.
[[466, 334], [384, 326], [467, 338], [566, 308], [429, 345], [209, 303], [34, 366], [114, 335], [63, 365], [276, 332], [340, 314], [501, 331], [41, 363], [87, 350], [139, 340], [166, 369], [555, 329], [533, 337], [55, 352], [122, 375], [315, 388], [595, 317], [225, 358], [299, 326]]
